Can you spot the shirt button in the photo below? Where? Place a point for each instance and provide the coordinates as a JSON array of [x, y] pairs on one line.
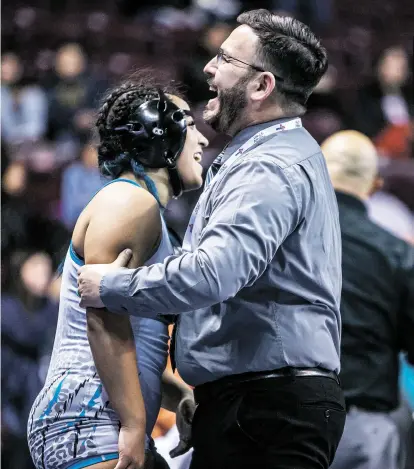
[[327, 414]]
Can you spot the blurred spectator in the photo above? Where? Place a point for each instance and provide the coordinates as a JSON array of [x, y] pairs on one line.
[[28, 322], [39, 157], [80, 182], [221, 9], [388, 99], [22, 228], [317, 13], [14, 211], [5, 159], [193, 77], [42, 175], [377, 310], [396, 141], [392, 214], [14, 178], [23, 104], [399, 180], [325, 114], [74, 96], [129, 8]]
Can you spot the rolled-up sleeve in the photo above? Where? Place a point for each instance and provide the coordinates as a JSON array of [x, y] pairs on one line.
[[254, 208]]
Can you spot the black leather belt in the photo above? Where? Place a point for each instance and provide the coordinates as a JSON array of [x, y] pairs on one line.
[[212, 388]]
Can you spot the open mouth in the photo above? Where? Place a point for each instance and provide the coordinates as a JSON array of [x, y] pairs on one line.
[[198, 156], [214, 102], [213, 92]]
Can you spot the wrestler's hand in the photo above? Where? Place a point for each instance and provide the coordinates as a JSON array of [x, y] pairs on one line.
[[90, 277], [184, 419], [131, 446]]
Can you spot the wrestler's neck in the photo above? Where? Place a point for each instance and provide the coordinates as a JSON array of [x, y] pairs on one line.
[[160, 179], [261, 116]]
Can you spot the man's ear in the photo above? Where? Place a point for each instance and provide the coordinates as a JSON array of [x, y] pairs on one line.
[[264, 85], [377, 185]]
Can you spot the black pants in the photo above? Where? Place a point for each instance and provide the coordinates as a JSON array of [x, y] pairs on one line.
[[277, 423], [153, 460]]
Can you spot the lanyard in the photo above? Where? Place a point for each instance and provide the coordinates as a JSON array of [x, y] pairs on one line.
[[257, 138]]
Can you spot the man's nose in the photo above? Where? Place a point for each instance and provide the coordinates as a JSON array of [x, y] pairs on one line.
[[211, 67]]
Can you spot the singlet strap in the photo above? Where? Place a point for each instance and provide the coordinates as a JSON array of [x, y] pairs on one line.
[[76, 258], [121, 180], [73, 254]]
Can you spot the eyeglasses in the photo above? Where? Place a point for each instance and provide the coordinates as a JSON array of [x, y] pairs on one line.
[[223, 57]]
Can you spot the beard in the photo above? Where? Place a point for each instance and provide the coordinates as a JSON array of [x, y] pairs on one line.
[[231, 105]]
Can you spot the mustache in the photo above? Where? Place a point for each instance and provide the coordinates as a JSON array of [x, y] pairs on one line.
[[209, 80]]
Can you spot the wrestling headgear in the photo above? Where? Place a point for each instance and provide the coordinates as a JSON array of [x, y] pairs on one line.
[[155, 136]]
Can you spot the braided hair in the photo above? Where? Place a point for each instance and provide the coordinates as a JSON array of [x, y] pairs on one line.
[[113, 157]]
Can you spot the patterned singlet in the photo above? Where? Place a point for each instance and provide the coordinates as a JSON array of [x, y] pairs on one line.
[[72, 423]]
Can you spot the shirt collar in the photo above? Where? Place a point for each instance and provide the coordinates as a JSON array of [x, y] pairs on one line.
[[245, 134], [351, 201]]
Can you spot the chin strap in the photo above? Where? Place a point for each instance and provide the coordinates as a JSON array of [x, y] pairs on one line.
[[175, 180]]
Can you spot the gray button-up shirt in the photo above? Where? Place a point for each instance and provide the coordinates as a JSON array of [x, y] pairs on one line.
[[261, 288]]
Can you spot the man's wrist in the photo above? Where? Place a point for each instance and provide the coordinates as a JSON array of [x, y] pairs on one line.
[[114, 290]]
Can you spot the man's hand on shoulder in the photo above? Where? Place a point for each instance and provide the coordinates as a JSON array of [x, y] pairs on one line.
[[90, 278]]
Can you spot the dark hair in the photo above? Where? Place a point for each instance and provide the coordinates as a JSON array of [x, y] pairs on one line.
[[118, 106], [290, 50]]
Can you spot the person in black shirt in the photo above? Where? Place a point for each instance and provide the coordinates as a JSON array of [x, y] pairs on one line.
[[377, 308]]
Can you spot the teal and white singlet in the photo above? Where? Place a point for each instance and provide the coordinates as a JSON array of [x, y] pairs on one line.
[[72, 424]]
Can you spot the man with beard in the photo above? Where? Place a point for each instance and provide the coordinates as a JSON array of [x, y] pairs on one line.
[[257, 288]]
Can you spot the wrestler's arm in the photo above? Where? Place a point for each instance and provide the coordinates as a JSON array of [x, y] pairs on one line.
[[132, 222], [254, 210]]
